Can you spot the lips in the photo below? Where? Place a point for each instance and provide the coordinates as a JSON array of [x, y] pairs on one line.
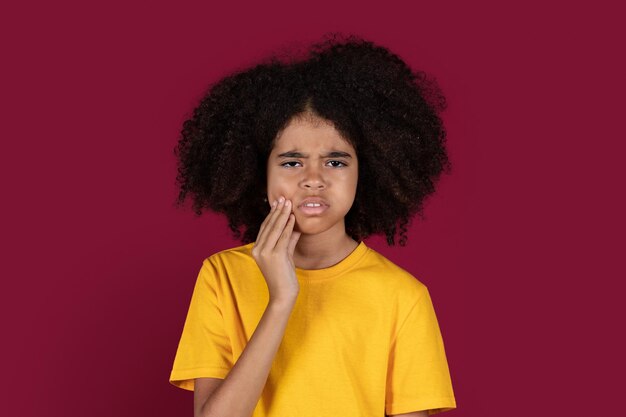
[[316, 200], [323, 206]]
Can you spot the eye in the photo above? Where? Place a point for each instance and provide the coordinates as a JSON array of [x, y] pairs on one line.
[[284, 164], [342, 164]]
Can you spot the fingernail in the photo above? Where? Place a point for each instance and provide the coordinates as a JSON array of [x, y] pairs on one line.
[[274, 203], [288, 203], [281, 199]]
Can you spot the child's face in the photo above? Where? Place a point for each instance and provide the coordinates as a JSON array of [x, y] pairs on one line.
[[314, 173]]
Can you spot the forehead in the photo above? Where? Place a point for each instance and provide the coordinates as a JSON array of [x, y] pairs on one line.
[[311, 134]]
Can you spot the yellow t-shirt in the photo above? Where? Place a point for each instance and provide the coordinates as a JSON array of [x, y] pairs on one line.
[[362, 339]]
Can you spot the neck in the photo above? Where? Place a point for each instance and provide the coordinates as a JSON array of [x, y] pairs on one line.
[[322, 250]]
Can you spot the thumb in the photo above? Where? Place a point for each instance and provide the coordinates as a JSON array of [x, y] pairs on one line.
[[293, 239]]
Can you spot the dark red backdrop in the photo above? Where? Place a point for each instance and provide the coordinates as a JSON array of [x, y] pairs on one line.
[[518, 248]]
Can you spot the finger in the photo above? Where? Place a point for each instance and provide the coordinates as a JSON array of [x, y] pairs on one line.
[[285, 236], [263, 237], [272, 218], [277, 227], [266, 220], [293, 239]]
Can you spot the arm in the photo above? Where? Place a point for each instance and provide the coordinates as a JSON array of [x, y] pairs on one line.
[[238, 394]]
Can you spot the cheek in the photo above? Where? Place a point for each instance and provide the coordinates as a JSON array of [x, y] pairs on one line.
[[351, 183], [278, 185]]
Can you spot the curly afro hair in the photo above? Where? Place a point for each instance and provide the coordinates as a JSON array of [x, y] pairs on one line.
[[386, 111]]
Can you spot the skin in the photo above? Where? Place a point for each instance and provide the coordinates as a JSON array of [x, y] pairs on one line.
[[323, 241]]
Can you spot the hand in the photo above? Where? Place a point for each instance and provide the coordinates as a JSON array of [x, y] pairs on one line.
[[273, 251]]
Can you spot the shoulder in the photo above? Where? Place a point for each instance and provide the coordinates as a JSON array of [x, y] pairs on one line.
[[234, 255], [227, 262], [403, 282]]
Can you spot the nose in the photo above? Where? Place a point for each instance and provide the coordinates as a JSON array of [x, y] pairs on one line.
[[312, 178]]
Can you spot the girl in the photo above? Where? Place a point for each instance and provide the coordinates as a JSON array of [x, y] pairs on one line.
[[309, 157]]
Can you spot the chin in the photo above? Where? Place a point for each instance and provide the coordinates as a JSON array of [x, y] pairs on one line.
[[312, 226]]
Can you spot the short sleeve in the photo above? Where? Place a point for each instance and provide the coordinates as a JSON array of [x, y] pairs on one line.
[[204, 349], [418, 377]]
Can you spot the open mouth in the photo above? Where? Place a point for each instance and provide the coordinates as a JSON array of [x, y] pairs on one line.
[[313, 208]]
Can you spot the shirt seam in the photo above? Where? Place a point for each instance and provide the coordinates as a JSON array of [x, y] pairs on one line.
[[356, 263], [442, 403], [201, 368]]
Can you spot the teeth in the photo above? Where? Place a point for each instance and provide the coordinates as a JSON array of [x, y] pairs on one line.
[[312, 205]]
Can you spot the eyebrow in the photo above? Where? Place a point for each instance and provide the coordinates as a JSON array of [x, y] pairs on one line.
[[331, 154]]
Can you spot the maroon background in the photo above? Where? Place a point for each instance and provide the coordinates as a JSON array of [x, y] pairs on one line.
[[519, 248]]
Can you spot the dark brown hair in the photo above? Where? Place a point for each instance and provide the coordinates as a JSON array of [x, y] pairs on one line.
[[388, 112]]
